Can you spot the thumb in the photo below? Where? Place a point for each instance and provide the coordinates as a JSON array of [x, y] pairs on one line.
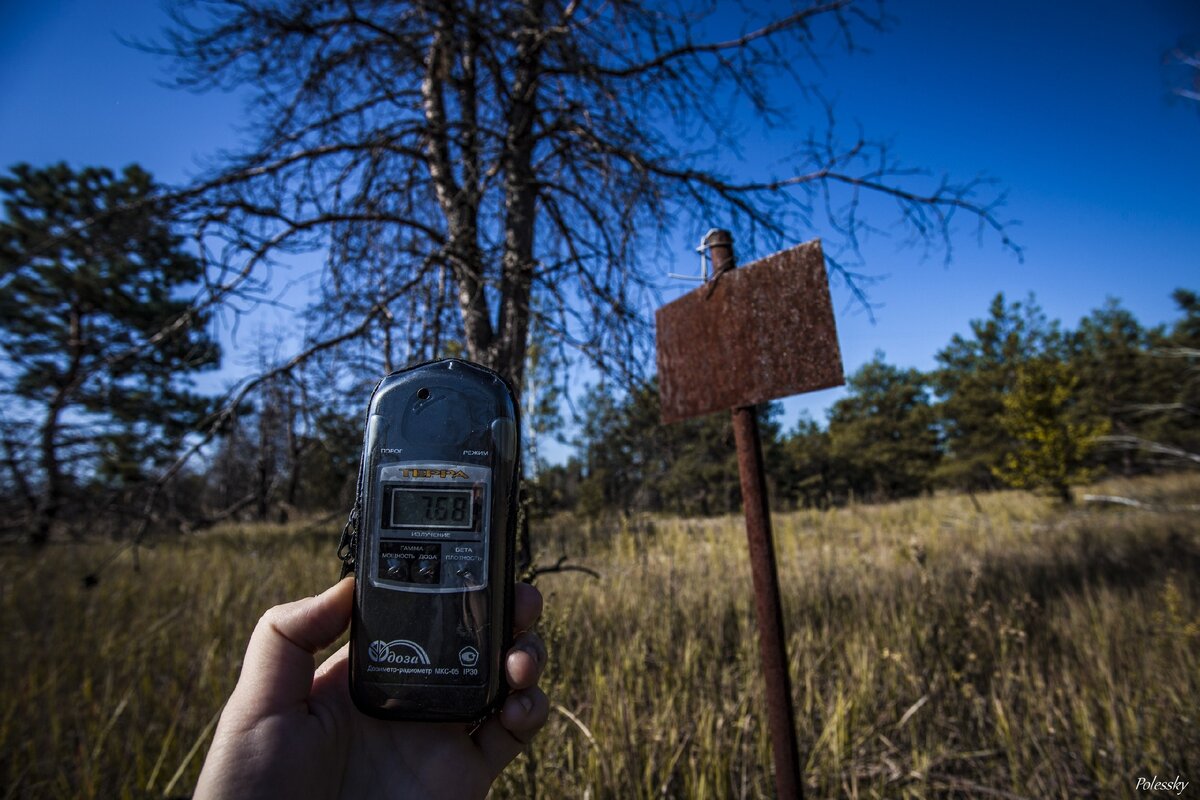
[[277, 673]]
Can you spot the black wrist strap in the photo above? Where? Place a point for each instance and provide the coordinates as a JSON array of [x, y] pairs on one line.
[[348, 545]]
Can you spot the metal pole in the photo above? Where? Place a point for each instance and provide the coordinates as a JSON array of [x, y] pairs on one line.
[[768, 609]]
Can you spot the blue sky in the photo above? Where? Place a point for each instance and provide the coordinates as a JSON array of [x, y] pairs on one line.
[[1065, 104]]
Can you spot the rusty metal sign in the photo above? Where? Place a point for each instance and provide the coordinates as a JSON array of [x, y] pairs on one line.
[[749, 335]]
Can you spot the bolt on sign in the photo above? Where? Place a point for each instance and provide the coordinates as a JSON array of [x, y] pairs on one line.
[[749, 335]]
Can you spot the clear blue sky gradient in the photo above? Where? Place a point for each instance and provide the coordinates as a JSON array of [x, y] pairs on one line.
[[1067, 105]]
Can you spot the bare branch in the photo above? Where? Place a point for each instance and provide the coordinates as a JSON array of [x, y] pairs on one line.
[[798, 20], [1132, 503], [229, 407], [1148, 446], [562, 566]]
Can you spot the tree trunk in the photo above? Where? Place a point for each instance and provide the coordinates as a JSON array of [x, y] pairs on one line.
[[48, 504], [520, 202], [296, 447], [18, 476], [265, 467], [51, 499], [459, 203]]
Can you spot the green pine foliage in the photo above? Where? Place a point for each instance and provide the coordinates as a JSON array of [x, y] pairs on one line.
[[1121, 379], [1178, 352], [98, 336], [804, 472], [634, 462], [883, 436], [1053, 440], [974, 374]]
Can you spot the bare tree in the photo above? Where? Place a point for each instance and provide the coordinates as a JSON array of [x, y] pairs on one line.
[[473, 167]]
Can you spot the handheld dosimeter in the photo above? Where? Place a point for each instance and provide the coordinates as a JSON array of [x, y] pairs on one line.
[[433, 553]]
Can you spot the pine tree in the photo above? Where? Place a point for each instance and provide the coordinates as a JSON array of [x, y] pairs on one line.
[[805, 474], [1118, 376], [974, 375], [882, 435], [1053, 439], [1170, 431], [1181, 356], [634, 462], [98, 344]]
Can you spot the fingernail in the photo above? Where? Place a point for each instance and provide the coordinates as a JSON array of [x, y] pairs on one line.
[[526, 703]]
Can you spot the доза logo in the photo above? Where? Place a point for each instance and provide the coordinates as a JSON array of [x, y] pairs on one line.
[[398, 651]]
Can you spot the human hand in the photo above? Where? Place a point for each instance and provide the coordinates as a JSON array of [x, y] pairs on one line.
[[291, 731]]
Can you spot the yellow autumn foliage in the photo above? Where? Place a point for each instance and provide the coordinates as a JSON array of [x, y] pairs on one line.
[[1053, 441]]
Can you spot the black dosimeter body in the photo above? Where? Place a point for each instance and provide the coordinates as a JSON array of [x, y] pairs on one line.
[[434, 552]]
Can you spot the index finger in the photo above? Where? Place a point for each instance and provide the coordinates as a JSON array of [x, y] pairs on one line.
[[527, 607]]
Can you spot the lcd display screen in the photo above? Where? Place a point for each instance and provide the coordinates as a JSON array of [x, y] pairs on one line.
[[432, 508]]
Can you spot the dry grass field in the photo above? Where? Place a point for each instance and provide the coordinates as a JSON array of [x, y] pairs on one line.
[[939, 649]]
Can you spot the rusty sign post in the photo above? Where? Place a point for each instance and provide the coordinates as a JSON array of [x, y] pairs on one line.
[[745, 337]]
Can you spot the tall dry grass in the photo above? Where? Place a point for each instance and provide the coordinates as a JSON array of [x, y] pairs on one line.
[[939, 649]]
